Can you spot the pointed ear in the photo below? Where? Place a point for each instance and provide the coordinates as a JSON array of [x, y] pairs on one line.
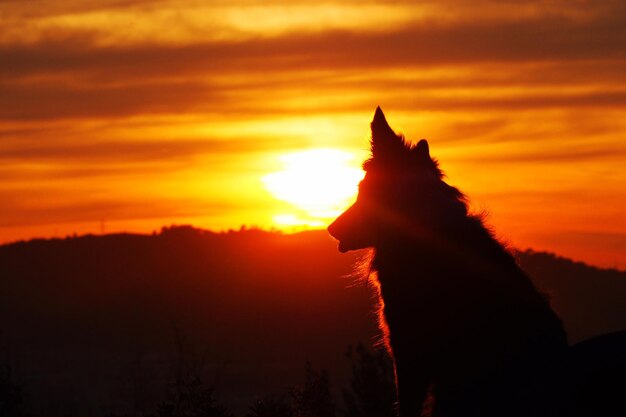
[[421, 149], [421, 158], [379, 125], [384, 139]]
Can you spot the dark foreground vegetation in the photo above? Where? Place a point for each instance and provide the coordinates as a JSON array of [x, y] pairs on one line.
[[370, 393], [194, 323]]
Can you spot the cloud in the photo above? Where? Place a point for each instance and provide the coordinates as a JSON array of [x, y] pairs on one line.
[[94, 209], [541, 39], [70, 75], [56, 100], [126, 151], [566, 155], [63, 102]]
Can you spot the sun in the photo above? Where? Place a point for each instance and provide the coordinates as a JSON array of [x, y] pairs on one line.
[[318, 183]]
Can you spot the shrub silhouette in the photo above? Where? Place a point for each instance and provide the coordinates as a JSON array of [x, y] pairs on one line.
[[271, 406], [371, 391], [313, 398], [372, 388], [12, 399], [191, 398]]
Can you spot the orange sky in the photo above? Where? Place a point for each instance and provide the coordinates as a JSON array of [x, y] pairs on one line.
[[131, 115]]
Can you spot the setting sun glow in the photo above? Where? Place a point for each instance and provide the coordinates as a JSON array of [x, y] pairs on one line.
[[320, 183]]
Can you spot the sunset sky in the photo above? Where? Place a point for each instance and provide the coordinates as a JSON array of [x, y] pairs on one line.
[[129, 115]]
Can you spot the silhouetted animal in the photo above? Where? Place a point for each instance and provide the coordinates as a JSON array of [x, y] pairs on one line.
[[463, 321]]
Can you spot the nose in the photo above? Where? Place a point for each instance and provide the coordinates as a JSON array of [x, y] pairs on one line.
[[341, 225], [332, 229]]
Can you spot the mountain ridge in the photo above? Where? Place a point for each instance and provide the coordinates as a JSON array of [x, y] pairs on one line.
[[86, 316], [192, 229]]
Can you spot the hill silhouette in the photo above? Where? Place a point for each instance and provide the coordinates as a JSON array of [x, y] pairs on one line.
[[97, 323]]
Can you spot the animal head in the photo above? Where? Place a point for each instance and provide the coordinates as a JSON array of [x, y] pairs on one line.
[[402, 195]]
